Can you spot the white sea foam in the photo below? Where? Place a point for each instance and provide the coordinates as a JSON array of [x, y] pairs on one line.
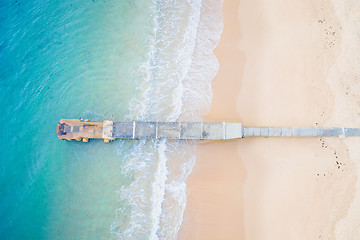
[[142, 198], [174, 83]]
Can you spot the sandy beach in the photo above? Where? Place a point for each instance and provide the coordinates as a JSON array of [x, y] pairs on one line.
[[282, 63]]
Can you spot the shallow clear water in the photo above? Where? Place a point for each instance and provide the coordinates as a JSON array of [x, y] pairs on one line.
[[99, 60]]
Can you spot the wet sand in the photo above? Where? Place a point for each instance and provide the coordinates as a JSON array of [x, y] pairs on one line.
[[282, 63]]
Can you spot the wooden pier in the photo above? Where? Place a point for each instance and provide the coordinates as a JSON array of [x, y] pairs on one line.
[[75, 129]]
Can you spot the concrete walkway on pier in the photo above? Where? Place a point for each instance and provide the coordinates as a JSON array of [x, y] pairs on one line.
[[74, 129]]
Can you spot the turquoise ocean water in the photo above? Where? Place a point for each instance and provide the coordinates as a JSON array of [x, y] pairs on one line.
[[121, 60]]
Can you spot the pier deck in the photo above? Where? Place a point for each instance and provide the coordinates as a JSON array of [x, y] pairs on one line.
[[74, 129]]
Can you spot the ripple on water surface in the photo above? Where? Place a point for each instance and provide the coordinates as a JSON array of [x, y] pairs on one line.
[[124, 60]]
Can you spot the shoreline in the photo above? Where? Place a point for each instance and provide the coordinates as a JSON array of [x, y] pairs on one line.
[[275, 63], [214, 190]]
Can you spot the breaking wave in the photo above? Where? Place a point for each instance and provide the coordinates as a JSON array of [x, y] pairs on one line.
[[173, 84]]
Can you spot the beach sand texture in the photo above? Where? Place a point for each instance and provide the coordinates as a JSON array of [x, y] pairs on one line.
[[282, 63]]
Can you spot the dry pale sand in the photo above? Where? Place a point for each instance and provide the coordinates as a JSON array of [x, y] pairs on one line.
[[282, 63]]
